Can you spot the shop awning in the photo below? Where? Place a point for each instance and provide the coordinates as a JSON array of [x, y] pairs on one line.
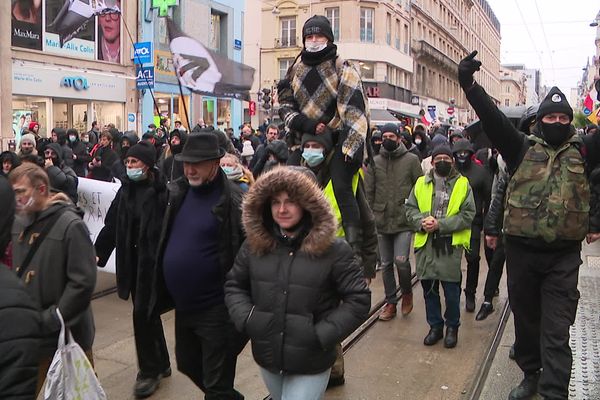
[[401, 114], [382, 117]]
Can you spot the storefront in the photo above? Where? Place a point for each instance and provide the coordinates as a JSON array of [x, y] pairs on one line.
[[56, 96]]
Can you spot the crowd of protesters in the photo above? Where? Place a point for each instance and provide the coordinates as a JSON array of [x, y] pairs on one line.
[[277, 217]]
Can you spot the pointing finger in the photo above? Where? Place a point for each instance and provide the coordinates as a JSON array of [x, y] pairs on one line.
[[472, 55]]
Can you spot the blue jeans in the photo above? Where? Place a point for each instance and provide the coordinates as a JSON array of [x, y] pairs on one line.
[[433, 308], [296, 387]]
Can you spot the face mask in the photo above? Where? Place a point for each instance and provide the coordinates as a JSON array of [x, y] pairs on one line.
[[556, 134], [22, 208], [314, 47], [418, 141], [85, 140], [442, 168], [72, 138], [376, 147], [228, 170], [463, 161], [390, 145], [136, 174], [313, 157], [176, 148]]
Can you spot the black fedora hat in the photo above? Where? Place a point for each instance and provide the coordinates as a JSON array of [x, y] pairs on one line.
[[199, 147]]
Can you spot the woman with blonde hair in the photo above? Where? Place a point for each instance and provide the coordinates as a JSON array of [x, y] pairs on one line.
[[236, 172]]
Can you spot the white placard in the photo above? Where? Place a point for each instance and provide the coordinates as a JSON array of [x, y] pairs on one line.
[[95, 198]]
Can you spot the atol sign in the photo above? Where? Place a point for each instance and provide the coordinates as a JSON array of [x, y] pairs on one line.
[[144, 77], [142, 53], [76, 82]]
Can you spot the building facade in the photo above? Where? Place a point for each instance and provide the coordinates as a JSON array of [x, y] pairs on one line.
[[513, 88], [60, 81], [219, 27], [533, 79], [444, 32]]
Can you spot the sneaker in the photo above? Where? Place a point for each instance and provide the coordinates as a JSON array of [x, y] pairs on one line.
[[145, 387], [388, 313], [407, 303], [486, 309], [527, 388]]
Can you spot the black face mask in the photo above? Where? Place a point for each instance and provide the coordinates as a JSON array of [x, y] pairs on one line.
[[390, 145], [376, 147], [463, 162], [556, 134], [442, 168], [176, 148]]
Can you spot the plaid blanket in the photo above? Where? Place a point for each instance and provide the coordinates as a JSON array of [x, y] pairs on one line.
[[330, 92]]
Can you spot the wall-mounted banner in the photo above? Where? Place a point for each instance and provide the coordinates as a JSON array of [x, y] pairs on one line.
[[144, 77], [142, 53], [27, 24], [95, 198]]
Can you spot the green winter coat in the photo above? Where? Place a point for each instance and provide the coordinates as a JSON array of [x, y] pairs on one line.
[[388, 184], [430, 263]]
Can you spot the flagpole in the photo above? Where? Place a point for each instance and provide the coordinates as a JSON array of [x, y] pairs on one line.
[[184, 103], [138, 58]]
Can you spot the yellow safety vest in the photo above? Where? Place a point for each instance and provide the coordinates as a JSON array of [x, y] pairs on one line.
[[330, 196], [424, 196]]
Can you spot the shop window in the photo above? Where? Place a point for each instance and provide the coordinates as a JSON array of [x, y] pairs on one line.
[[367, 69], [223, 113], [26, 110]]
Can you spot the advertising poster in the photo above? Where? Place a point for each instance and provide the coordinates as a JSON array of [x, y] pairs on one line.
[[27, 24], [68, 33], [109, 36]]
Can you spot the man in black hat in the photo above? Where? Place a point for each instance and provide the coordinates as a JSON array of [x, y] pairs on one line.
[[323, 91], [548, 213], [201, 236]]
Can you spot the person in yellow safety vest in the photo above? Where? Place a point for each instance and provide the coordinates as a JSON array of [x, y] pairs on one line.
[[314, 151], [440, 210]]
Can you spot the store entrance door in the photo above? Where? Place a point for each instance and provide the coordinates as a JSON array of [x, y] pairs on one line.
[[70, 114]]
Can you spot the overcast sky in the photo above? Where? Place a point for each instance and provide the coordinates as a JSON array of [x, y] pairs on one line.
[[551, 35]]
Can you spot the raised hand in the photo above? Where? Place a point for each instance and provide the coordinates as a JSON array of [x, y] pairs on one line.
[[466, 68]]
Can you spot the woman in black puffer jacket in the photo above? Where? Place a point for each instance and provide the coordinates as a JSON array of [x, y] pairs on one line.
[[295, 289]]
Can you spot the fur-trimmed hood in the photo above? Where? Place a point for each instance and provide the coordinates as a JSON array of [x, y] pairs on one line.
[[310, 197]]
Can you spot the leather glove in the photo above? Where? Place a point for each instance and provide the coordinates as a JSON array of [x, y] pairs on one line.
[[466, 68]]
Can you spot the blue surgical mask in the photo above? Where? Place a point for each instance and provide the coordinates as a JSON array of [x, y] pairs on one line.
[[313, 157], [228, 170], [136, 174], [72, 138]]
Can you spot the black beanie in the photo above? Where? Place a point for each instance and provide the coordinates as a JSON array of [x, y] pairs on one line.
[[325, 139], [441, 149], [389, 127], [317, 24], [143, 151], [554, 102]]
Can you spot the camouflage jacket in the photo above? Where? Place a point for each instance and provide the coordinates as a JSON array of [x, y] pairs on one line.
[[548, 196]]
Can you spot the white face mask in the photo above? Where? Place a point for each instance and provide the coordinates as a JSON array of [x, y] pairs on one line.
[[313, 47], [22, 208]]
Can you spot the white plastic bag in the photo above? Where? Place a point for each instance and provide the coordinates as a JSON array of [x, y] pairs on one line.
[[71, 376]]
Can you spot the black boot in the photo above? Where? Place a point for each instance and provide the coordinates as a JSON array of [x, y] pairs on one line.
[[470, 302], [434, 336], [451, 337], [486, 309], [527, 388]]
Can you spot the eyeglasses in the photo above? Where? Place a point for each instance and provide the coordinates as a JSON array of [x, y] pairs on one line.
[[113, 16]]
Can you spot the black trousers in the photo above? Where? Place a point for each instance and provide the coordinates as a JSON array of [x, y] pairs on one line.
[[150, 344], [496, 265], [473, 257], [542, 289], [342, 172], [206, 348]]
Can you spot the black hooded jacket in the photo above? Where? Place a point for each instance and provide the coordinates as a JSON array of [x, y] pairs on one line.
[[62, 178], [81, 157], [12, 157], [295, 298]]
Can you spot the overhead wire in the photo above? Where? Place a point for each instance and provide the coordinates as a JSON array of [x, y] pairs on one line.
[[545, 37], [529, 34]]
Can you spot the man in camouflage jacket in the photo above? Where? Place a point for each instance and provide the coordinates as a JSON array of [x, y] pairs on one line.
[[547, 215]]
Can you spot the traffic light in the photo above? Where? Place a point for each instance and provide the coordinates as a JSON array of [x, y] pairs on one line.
[[266, 98]]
